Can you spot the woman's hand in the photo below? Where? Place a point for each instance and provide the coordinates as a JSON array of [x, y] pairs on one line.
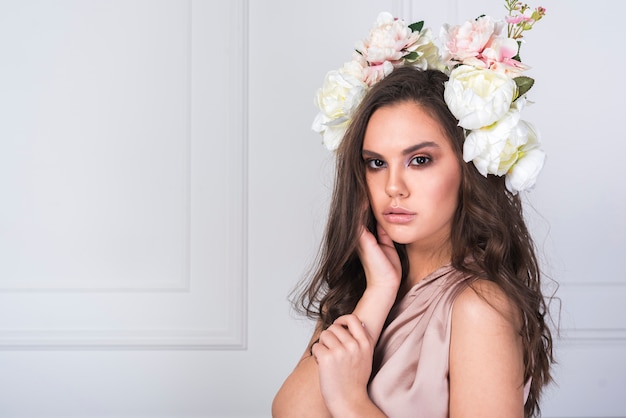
[[380, 260], [383, 272], [344, 357]]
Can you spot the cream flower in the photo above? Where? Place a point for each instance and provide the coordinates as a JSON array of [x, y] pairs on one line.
[[509, 147], [429, 55], [337, 100], [530, 160], [478, 97], [491, 148]]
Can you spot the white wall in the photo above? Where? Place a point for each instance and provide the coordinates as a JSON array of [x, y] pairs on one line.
[[579, 200]]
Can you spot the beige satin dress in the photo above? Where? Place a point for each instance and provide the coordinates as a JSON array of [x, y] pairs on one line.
[[410, 368]]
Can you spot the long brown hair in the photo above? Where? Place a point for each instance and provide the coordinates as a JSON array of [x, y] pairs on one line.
[[488, 228]]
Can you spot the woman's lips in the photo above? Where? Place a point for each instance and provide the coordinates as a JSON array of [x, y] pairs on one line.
[[398, 215]]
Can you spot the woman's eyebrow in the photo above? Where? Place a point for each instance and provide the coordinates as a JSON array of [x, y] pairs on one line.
[[371, 154], [409, 150], [417, 147]]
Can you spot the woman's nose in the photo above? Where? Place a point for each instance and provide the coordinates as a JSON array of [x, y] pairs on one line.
[[396, 186]]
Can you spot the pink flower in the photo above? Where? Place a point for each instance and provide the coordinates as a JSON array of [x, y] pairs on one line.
[[469, 39], [482, 44], [498, 56], [514, 20], [389, 42], [375, 72]]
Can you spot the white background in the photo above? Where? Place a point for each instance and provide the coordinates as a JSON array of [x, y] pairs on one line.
[[161, 193]]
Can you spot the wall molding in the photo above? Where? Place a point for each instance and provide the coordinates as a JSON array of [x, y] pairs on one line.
[[576, 300], [158, 325], [590, 335]]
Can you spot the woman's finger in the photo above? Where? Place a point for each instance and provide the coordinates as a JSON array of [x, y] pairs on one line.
[[329, 339], [355, 327], [367, 241]]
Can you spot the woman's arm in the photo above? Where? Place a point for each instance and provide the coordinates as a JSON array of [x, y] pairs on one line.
[[486, 355], [346, 358], [300, 394], [333, 382]]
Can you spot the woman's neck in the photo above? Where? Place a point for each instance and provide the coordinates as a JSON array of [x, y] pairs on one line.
[[423, 262]]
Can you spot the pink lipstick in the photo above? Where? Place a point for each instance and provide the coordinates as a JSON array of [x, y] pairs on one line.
[[398, 215]]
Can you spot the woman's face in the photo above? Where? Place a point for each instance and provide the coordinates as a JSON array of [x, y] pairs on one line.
[[413, 176]]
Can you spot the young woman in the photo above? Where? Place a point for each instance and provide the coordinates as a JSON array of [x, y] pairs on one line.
[[427, 294]]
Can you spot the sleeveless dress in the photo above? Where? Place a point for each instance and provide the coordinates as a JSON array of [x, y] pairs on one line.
[[410, 365]]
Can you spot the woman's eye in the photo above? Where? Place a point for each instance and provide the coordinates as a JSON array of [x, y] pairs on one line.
[[420, 160], [375, 163]]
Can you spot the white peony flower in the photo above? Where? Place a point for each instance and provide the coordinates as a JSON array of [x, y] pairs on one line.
[[337, 100], [490, 148], [332, 131], [530, 159], [478, 97], [429, 55], [509, 147]]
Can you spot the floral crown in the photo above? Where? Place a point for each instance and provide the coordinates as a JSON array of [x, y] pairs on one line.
[[486, 90]]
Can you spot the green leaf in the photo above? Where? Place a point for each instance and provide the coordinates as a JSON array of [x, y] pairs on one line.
[[523, 84], [412, 56], [519, 46], [417, 26]]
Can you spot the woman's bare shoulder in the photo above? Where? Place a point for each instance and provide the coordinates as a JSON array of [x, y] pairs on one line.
[[486, 354], [483, 302]]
